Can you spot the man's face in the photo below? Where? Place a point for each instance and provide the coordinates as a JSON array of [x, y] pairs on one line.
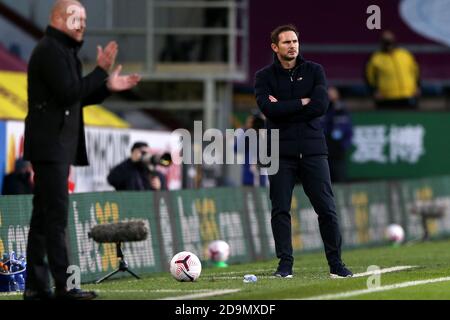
[[75, 22], [387, 41], [333, 94], [287, 47], [136, 154]]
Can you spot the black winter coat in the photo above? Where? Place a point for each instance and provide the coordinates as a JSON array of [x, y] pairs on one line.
[[17, 183], [57, 93], [300, 129], [133, 176]]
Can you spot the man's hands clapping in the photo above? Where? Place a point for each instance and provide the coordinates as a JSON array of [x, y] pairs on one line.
[[117, 82], [106, 59]]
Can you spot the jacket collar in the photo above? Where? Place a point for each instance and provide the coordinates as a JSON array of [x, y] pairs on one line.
[[277, 62], [63, 38]]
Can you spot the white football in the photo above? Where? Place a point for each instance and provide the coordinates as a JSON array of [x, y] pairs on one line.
[[218, 251], [395, 233], [185, 266]]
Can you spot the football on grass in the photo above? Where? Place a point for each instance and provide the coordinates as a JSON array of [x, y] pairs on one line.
[[218, 251], [185, 266], [395, 233]]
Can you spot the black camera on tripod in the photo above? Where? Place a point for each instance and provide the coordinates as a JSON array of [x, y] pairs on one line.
[[148, 158], [163, 160]]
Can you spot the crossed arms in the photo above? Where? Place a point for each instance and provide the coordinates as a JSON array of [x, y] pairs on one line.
[[294, 110]]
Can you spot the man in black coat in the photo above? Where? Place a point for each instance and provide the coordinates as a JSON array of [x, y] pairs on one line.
[[55, 139], [292, 94]]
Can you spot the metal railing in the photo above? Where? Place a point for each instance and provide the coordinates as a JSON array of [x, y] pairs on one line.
[[154, 35]]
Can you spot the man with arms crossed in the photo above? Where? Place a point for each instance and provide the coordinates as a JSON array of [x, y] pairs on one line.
[[292, 94]]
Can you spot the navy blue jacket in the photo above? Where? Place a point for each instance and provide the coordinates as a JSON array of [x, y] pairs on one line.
[[300, 128], [338, 128]]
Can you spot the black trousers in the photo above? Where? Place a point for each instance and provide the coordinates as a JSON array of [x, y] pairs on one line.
[[47, 234], [338, 169], [315, 176]]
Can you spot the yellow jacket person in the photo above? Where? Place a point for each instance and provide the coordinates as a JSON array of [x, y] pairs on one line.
[[393, 74]]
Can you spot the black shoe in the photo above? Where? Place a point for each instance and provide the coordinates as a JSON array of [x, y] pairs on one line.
[[340, 271], [75, 294], [37, 295], [283, 273]]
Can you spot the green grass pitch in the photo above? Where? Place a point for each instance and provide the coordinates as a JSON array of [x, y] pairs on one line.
[[431, 260]]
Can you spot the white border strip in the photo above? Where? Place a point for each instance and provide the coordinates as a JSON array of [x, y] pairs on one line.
[[379, 289]]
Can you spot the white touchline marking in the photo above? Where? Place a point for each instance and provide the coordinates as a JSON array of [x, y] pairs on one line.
[[357, 275], [385, 270], [241, 272], [202, 295], [241, 277], [298, 269], [379, 289], [209, 291]]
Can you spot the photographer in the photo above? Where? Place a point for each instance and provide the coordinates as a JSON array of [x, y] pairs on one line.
[[134, 173]]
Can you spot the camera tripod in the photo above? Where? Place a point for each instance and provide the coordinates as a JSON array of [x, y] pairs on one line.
[[123, 265]]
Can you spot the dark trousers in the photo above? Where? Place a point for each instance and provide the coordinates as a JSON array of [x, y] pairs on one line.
[[47, 235], [315, 176], [338, 169]]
